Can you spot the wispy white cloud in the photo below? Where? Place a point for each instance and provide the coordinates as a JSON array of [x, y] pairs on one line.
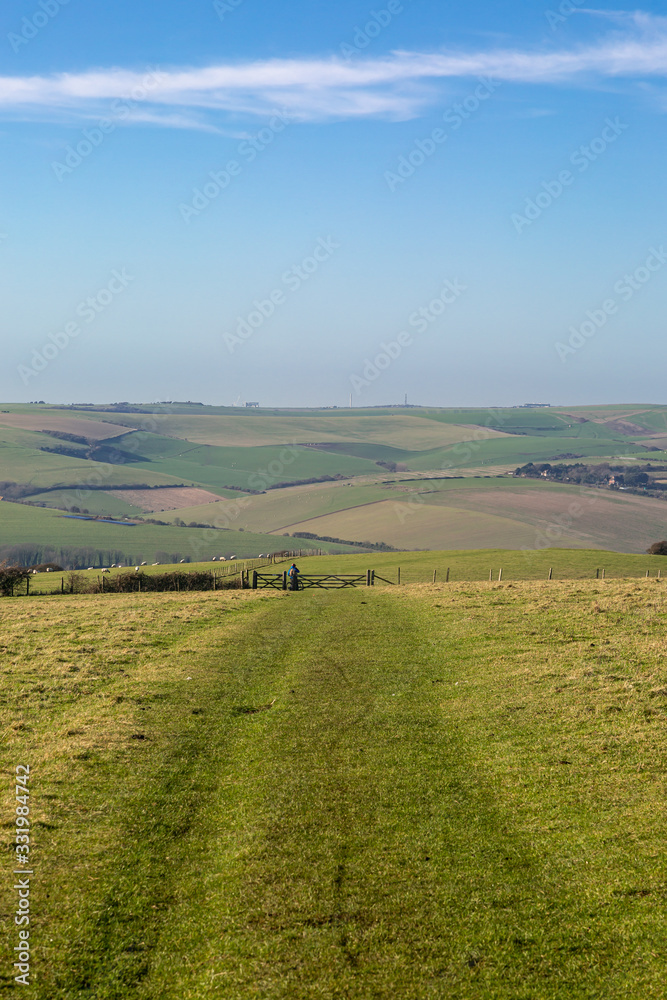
[[400, 85]]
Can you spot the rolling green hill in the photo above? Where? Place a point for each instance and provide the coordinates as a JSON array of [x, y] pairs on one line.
[[65, 457]]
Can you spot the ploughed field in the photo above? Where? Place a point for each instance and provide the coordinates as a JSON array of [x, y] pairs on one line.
[[426, 791]]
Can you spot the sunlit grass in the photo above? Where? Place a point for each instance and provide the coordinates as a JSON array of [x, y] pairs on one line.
[[432, 791]]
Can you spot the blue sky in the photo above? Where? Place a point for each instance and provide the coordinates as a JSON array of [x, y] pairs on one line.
[[290, 203]]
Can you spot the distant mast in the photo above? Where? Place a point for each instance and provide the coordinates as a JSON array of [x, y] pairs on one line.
[[350, 400], [406, 399]]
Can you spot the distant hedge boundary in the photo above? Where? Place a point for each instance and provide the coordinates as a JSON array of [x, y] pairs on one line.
[[15, 581], [132, 583]]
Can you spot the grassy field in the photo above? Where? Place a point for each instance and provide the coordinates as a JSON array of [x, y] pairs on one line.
[[472, 566], [23, 525], [424, 792], [241, 429], [418, 567]]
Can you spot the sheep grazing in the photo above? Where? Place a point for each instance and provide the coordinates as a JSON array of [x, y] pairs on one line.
[[222, 558], [90, 568], [106, 570], [144, 564], [156, 564], [137, 568]]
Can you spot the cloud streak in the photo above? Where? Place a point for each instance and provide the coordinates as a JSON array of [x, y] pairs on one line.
[[400, 85]]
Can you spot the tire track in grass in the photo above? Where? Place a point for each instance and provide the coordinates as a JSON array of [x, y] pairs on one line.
[[332, 826], [159, 788], [371, 859]]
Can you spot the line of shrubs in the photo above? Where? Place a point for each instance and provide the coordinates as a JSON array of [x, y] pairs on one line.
[[14, 582], [131, 583]]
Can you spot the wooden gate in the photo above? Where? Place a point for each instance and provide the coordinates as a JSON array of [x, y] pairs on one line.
[[325, 581]]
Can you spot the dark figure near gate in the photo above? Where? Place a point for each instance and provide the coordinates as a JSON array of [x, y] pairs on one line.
[[293, 576]]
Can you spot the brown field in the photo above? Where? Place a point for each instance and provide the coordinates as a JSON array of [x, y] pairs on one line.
[[504, 518], [96, 430], [427, 526], [167, 499], [595, 518]]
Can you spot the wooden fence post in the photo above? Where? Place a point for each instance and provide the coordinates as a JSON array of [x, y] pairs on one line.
[[500, 575], [435, 573], [284, 579], [27, 586], [647, 572], [603, 572], [373, 578], [254, 579], [399, 576], [551, 572], [62, 584], [368, 578], [490, 575], [447, 578]]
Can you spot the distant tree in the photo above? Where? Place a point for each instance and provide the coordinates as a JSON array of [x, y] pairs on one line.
[[658, 549], [633, 478]]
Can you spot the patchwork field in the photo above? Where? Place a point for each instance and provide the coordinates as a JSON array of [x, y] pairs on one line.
[[338, 473], [427, 791]]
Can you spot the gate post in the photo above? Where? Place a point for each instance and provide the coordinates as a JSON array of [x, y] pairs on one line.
[[369, 577], [254, 579], [284, 579]]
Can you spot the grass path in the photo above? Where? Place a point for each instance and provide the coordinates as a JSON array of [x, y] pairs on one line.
[[429, 793]]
